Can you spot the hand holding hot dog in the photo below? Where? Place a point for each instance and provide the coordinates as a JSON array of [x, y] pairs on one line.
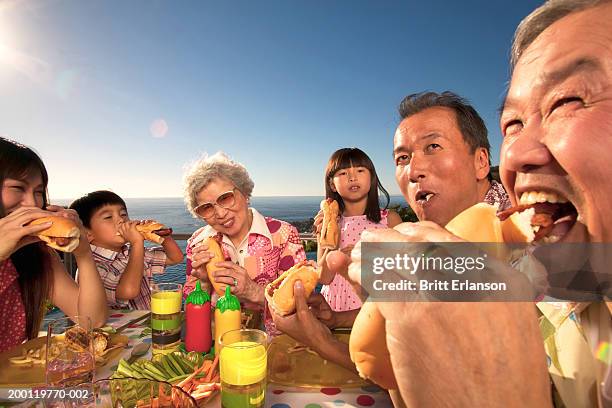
[[16, 233]]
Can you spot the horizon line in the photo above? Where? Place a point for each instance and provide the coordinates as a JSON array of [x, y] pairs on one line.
[[254, 196]]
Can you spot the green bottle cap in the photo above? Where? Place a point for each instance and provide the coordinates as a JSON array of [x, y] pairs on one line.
[[198, 296], [228, 301]]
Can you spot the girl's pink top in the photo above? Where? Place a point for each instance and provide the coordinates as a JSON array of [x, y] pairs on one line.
[[12, 311], [340, 294]]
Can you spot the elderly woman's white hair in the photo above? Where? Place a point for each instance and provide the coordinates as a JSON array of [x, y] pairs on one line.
[[208, 168]]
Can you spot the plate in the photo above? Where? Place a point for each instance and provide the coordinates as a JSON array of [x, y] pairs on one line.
[[305, 368], [14, 375]]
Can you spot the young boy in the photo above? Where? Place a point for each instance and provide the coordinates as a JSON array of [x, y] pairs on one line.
[[125, 265]]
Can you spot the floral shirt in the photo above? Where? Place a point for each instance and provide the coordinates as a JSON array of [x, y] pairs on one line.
[[497, 195], [271, 247], [12, 311]]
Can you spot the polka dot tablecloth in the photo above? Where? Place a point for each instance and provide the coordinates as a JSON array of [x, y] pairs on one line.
[[277, 396], [283, 397]]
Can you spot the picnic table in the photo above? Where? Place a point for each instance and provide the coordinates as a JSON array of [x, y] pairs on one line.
[[277, 396]]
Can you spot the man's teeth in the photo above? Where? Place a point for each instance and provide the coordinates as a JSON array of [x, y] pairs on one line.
[[532, 197], [550, 239], [425, 197]]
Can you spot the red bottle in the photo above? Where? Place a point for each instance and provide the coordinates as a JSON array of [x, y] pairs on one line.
[[197, 315]]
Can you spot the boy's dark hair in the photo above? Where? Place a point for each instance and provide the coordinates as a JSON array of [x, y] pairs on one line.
[[471, 125], [354, 157], [87, 205]]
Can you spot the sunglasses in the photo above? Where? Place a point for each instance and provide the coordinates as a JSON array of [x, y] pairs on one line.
[[225, 200]]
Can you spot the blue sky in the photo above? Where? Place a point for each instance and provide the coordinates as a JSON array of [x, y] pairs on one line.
[[278, 85]]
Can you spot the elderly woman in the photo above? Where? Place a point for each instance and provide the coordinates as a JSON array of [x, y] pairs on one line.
[[257, 248]]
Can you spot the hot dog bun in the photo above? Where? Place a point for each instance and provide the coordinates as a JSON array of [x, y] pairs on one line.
[[62, 235], [480, 223], [215, 248], [279, 293], [368, 347], [330, 233], [148, 231]]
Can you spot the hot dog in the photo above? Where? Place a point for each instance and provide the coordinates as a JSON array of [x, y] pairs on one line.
[[153, 231], [214, 247], [279, 293], [62, 235], [330, 233], [481, 223]]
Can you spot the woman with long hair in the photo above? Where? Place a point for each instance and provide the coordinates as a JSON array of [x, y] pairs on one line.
[[30, 271]]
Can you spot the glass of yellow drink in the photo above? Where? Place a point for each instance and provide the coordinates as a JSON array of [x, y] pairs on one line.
[[244, 364], [166, 319]]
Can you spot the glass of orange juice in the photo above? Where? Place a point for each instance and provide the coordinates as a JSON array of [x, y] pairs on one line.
[[166, 318], [243, 363]]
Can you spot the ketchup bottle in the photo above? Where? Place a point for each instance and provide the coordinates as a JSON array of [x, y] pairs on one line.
[[197, 315]]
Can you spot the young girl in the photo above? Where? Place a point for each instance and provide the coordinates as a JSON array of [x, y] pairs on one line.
[[30, 272], [351, 180]]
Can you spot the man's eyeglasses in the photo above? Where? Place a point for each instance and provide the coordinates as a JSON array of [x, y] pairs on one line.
[[225, 200]]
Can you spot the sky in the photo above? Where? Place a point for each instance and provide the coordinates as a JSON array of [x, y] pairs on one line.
[[121, 95]]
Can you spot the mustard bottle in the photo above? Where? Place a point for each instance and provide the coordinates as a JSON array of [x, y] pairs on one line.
[[227, 316]]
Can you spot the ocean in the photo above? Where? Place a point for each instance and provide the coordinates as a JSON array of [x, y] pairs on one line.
[[173, 213]]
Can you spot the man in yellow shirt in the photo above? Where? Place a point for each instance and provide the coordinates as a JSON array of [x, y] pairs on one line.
[[557, 128]]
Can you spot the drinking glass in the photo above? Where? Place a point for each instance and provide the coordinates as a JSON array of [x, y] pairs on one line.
[[166, 300], [69, 353], [244, 363]]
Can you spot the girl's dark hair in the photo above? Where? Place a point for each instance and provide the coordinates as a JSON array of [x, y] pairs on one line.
[[354, 157], [33, 262]]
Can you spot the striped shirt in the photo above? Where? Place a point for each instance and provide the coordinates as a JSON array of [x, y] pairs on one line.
[[111, 264]]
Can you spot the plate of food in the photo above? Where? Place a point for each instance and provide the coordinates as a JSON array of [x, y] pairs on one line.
[[25, 364], [192, 372], [295, 365]]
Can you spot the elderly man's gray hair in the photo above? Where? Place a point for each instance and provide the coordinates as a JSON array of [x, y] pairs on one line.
[[218, 166], [541, 18]]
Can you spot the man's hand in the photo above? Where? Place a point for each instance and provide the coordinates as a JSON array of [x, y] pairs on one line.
[[478, 353], [303, 326], [321, 310]]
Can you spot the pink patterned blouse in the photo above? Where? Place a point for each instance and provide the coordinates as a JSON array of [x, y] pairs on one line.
[[12, 311], [273, 247], [340, 294]]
